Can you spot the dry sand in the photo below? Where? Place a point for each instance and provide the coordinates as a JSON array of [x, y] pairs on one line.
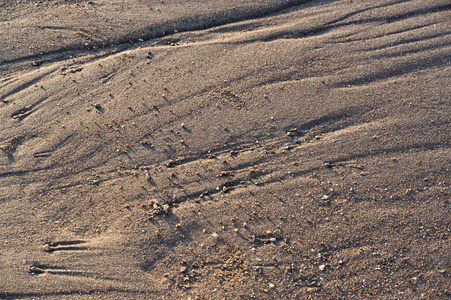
[[225, 149]]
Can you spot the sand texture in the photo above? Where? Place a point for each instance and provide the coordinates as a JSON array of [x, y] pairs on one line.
[[225, 149]]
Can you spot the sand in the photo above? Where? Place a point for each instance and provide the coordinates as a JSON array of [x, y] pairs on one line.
[[225, 149]]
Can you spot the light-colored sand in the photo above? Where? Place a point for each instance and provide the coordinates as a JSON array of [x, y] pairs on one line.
[[303, 153]]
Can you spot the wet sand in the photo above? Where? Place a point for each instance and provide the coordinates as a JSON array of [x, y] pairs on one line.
[[225, 150]]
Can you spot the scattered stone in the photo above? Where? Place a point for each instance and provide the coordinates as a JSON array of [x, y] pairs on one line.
[[273, 240], [157, 209], [233, 153], [322, 267], [408, 191], [358, 167], [74, 69], [183, 125], [328, 165], [35, 270], [98, 106], [170, 163], [183, 269], [37, 63], [147, 144], [271, 285], [395, 197], [160, 209], [96, 180], [300, 140], [47, 248], [225, 174]]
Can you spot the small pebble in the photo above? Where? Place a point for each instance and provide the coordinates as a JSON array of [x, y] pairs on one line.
[[35, 270], [47, 248], [233, 152], [170, 163]]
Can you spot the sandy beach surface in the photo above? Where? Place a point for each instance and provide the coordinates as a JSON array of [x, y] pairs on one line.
[[225, 149]]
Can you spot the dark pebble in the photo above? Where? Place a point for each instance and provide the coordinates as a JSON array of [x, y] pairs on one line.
[[170, 164], [233, 153], [37, 63], [35, 270]]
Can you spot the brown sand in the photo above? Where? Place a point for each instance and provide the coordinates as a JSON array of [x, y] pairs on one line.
[[297, 154]]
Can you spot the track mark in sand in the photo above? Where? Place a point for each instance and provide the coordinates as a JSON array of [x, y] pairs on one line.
[[328, 123], [407, 31], [65, 246], [21, 113], [293, 33], [161, 30], [76, 293], [397, 70], [234, 169], [9, 147], [384, 151], [83, 32], [54, 147], [26, 111], [229, 98], [24, 86], [105, 78], [38, 269], [24, 172]]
